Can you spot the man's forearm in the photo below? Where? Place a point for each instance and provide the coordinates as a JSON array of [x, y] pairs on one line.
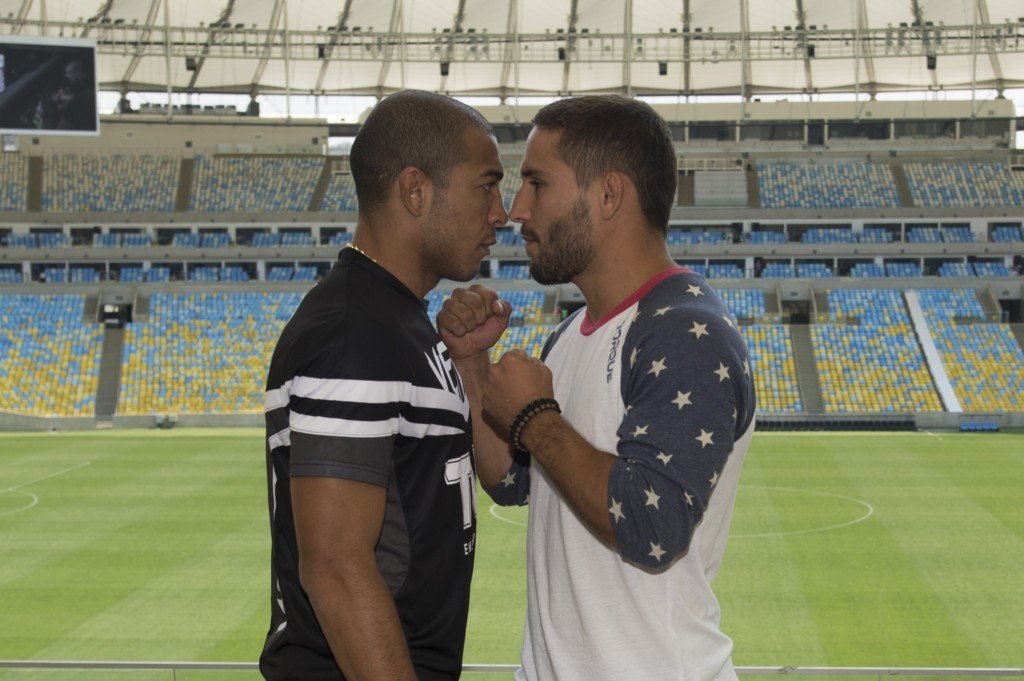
[[579, 471], [493, 457], [358, 616]]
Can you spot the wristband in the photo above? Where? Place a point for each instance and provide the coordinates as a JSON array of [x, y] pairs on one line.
[[515, 431]]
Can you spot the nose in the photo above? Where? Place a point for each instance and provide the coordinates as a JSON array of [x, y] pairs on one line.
[[499, 216], [519, 212]]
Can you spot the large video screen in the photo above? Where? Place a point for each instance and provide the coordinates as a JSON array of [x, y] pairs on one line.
[[48, 86]]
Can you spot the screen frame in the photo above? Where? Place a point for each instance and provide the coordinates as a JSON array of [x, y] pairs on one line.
[[48, 42]]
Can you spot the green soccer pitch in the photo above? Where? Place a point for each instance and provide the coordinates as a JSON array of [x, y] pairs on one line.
[[851, 549]]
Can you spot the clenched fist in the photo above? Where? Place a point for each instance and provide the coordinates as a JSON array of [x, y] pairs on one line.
[[515, 381], [472, 320]]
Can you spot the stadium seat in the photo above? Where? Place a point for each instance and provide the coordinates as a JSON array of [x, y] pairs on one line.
[[826, 185], [13, 182], [983, 360], [202, 352], [874, 365], [962, 183], [87, 183], [49, 356], [254, 183]]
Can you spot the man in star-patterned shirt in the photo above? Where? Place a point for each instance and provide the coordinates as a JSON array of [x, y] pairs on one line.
[[631, 488]]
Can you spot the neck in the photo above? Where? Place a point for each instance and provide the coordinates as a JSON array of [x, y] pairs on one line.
[[617, 272], [398, 257]]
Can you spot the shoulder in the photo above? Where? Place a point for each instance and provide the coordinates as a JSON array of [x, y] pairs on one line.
[[684, 306]]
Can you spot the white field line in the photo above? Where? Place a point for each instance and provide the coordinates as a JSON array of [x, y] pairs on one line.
[[33, 499]]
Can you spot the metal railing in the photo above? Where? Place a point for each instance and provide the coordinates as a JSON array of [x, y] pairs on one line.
[[175, 667]]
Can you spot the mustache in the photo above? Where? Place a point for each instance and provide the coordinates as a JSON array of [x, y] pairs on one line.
[[528, 233]]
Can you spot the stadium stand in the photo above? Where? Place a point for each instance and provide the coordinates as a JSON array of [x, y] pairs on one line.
[[955, 269], [266, 240], [513, 271], [299, 239], [725, 270], [510, 184], [49, 357], [136, 240], [813, 270], [764, 237], [991, 269], [871, 361], [10, 275], [678, 237], [256, 183], [506, 237], [954, 184], [983, 360], [13, 182], [340, 239], [827, 185], [110, 182], [1007, 234], [340, 196], [778, 270], [771, 354], [903, 269], [867, 270], [770, 350], [202, 352]]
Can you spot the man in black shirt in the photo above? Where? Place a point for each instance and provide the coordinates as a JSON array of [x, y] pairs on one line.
[[369, 446]]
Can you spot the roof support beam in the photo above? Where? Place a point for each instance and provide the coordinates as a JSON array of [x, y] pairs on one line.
[[99, 16], [336, 30], [745, 77], [687, 19], [389, 50], [510, 58], [129, 72], [26, 5], [627, 62], [983, 17], [268, 44], [802, 44], [449, 49], [864, 48], [926, 41], [570, 45], [215, 31]]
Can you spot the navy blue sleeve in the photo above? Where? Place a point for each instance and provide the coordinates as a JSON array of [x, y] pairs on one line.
[[514, 489], [689, 395]]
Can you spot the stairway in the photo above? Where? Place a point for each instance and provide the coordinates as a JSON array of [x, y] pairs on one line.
[[110, 376], [685, 196], [899, 176], [34, 199], [1018, 333], [185, 177], [806, 369], [317, 199], [753, 191]]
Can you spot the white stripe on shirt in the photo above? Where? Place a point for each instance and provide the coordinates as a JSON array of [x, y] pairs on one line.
[[323, 425], [277, 398], [377, 392]]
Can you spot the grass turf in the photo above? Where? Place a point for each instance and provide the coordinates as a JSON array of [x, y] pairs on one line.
[[864, 549]]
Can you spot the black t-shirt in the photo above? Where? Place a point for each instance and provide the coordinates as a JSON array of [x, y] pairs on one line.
[[361, 387]]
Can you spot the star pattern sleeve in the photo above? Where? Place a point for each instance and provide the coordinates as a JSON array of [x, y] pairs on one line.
[[689, 395], [514, 488]]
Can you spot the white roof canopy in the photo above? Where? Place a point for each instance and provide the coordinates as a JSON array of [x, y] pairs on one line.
[[523, 47]]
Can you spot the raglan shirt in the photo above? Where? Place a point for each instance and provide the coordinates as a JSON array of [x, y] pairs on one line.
[[663, 382], [361, 387]]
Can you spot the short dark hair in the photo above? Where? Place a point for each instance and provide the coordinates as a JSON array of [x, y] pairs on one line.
[[410, 128], [602, 133]]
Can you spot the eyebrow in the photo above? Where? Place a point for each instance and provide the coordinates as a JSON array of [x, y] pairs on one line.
[[493, 173], [531, 173]]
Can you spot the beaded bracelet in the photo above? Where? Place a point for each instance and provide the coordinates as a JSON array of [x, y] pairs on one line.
[[524, 417]]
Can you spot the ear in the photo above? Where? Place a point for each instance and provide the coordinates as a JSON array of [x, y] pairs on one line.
[[414, 189], [613, 189]]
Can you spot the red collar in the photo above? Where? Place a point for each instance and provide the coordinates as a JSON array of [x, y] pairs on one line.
[[588, 327]]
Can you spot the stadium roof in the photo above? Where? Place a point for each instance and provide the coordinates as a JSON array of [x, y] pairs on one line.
[[528, 47]]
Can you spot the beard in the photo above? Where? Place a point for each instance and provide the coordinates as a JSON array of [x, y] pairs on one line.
[[568, 248]]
